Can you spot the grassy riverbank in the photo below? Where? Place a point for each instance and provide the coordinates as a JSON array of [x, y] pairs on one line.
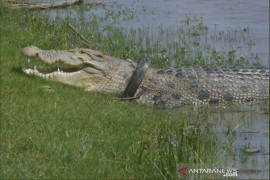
[[50, 130]]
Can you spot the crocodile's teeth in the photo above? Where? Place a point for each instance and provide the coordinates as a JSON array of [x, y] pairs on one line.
[[58, 70], [35, 67]]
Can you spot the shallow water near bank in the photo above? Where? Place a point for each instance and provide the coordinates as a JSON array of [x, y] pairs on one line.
[[243, 131]]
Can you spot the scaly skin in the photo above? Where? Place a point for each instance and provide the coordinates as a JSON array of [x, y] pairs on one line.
[[194, 85], [167, 88]]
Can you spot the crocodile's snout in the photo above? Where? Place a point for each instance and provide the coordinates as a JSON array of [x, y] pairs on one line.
[[30, 51]]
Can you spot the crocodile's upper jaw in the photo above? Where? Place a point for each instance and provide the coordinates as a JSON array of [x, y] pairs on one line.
[[87, 71]]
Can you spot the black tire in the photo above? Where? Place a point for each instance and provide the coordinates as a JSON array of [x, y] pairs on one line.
[[137, 77]]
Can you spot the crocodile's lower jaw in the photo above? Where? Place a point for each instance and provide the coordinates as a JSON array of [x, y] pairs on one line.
[[36, 72], [78, 77]]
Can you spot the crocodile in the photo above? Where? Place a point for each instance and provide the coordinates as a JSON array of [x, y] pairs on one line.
[[167, 88]]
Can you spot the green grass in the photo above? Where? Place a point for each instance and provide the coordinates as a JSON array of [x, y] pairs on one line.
[[69, 133]]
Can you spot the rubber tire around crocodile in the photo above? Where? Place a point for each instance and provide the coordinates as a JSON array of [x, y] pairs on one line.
[[137, 77]]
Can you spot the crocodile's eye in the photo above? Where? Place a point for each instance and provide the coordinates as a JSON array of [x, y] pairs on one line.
[[99, 55], [80, 58]]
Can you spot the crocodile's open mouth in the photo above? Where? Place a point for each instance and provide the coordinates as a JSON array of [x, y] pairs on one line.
[[48, 73], [82, 70]]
